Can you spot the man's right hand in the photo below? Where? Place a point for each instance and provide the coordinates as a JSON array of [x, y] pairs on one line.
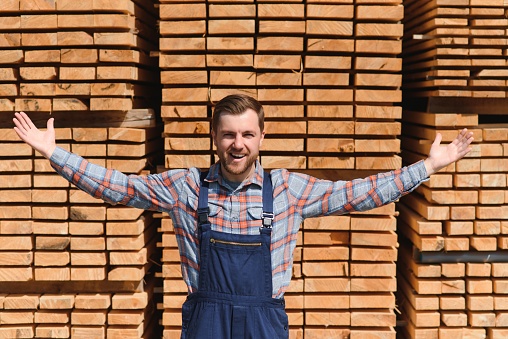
[[43, 142]]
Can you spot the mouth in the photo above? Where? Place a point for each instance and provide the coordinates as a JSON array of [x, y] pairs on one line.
[[237, 156]]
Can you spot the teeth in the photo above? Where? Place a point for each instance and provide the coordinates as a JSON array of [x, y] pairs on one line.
[[237, 156]]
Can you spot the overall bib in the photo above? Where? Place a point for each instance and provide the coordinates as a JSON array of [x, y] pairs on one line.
[[234, 297]]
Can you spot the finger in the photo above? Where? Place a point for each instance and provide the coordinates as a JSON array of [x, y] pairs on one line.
[[437, 140], [29, 121], [50, 124], [464, 134], [19, 126], [460, 137], [20, 134], [467, 137], [22, 117]]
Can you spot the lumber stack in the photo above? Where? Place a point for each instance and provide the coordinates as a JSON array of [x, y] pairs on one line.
[[320, 70], [455, 48], [452, 261], [83, 315], [328, 76], [72, 56], [452, 265], [87, 64], [348, 268], [52, 234]]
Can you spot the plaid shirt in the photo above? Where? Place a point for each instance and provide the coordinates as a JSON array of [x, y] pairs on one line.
[[296, 197]]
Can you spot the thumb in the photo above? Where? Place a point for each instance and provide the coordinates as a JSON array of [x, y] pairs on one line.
[[437, 140], [50, 124]]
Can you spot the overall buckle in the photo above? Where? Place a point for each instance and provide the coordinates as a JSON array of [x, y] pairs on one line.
[[267, 220]]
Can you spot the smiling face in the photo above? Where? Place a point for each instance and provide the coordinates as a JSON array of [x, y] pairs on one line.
[[238, 138]]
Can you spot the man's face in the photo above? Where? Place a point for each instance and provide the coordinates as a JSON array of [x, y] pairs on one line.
[[238, 138]]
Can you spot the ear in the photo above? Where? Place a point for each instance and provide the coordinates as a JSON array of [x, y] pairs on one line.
[[262, 138], [214, 138]]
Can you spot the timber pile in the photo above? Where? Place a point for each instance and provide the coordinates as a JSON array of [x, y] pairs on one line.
[[320, 71], [449, 280], [328, 76], [56, 235], [87, 64], [452, 260], [74, 56], [455, 48], [83, 315]]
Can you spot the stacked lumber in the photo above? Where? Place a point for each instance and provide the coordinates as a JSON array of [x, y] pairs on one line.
[[52, 233], [452, 266], [73, 56], [455, 48], [85, 63], [349, 275], [453, 299], [76, 315], [452, 260], [320, 70], [328, 76]]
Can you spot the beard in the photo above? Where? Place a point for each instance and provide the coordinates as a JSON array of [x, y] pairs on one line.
[[238, 169]]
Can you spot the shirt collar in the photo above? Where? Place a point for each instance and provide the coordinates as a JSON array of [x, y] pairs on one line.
[[215, 175]]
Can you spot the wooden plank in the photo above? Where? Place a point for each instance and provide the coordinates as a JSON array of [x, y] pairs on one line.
[[182, 11], [327, 62], [280, 11], [37, 5], [293, 44], [88, 259], [262, 61], [389, 80], [9, 5], [180, 28], [10, 39], [88, 273], [230, 43], [288, 95], [231, 10], [296, 27], [329, 28], [187, 144], [11, 56], [379, 47], [318, 11], [231, 26], [423, 243], [380, 13]]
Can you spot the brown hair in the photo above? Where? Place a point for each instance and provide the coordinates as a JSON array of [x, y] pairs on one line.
[[237, 104]]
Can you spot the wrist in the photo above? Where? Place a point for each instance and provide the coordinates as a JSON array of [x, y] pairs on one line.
[[429, 167], [49, 152]]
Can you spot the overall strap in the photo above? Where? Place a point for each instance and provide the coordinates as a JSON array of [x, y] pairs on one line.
[[203, 209], [267, 201], [267, 217]]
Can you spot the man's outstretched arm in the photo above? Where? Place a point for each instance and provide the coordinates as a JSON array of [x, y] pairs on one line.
[[142, 191]]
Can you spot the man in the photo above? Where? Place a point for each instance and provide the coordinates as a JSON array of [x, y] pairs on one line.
[[236, 244]]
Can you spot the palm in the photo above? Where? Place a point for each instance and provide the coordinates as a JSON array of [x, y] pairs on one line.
[[441, 156], [41, 141]]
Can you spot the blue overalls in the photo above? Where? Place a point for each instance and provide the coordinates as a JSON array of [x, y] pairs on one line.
[[234, 297]]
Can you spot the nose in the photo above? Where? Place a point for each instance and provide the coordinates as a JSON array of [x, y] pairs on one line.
[[238, 142]]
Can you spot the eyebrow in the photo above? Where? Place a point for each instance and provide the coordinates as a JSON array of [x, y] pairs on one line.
[[222, 131]]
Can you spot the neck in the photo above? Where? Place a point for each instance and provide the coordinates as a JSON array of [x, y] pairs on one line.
[[237, 178]]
